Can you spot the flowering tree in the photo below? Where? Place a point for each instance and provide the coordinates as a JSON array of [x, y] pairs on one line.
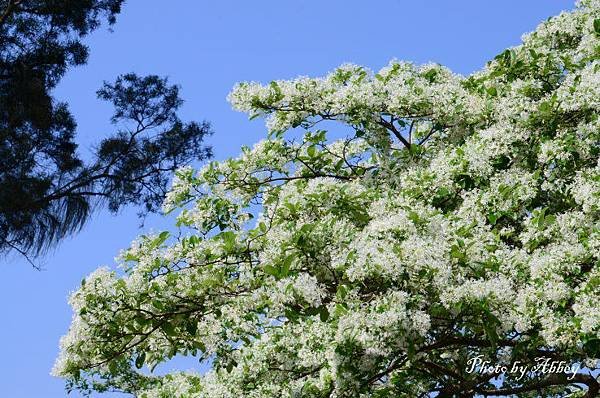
[[459, 219]]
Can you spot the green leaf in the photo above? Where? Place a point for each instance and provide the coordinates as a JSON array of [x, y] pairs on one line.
[[545, 109], [341, 292], [246, 340], [269, 269], [489, 326], [228, 240], [168, 328], [142, 321], [492, 91], [229, 367], [139, 361], [323, 313], [414, 217], [491, 247], [592, 347], [456, 252], [113, 368], [307, 228], [130, 257], [411, 350], [285, 267], [262, 227], [340, 309], [191, 327], [311, 310], [597, 26], [291, 314], [276, 93]]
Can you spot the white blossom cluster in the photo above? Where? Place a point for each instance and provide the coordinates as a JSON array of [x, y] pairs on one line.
[[461, 218]]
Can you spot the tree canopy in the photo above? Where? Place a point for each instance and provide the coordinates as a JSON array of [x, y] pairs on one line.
[[46, 190], [458, 218]]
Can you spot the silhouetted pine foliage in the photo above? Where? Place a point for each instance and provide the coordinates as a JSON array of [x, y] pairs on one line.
[[46, 190]]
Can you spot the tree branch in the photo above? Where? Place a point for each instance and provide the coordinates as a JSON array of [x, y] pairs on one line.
[[10, 8], [390, 126], [551, 380]]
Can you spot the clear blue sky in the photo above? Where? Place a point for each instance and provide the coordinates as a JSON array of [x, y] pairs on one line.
[[207, 46]]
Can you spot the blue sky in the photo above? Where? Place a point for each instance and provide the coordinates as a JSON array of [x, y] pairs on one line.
[[206, 47]]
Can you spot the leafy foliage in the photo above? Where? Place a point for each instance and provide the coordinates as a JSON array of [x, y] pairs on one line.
[[459, 219]]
